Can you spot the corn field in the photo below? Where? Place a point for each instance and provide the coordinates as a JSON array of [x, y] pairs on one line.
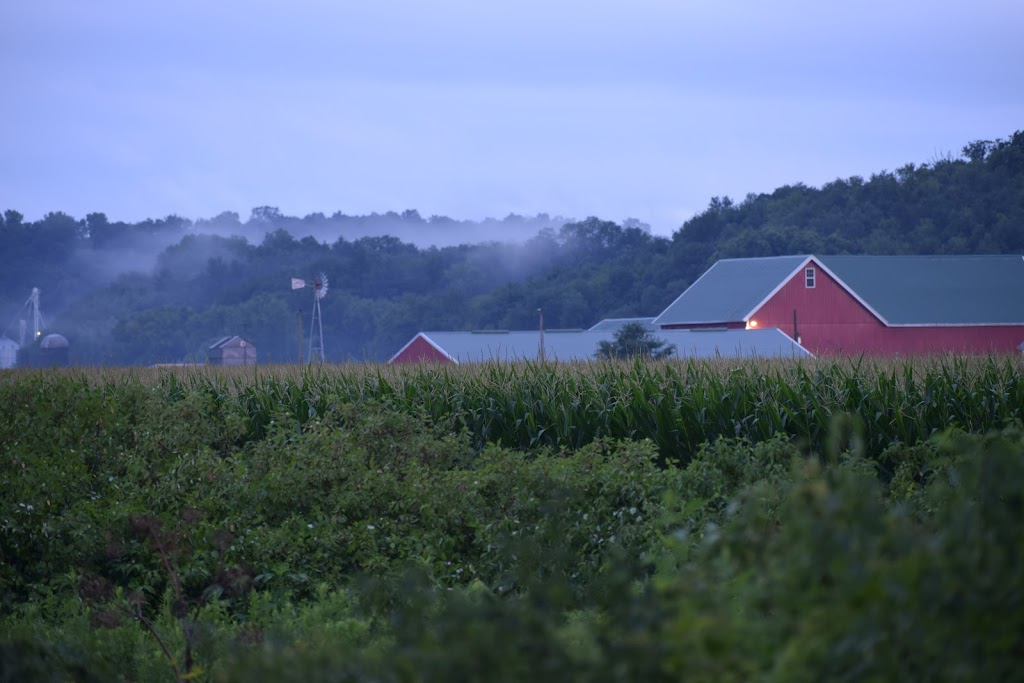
[[678, 405]]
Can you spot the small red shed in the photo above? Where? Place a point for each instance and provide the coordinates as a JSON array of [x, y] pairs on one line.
[[876, 305]]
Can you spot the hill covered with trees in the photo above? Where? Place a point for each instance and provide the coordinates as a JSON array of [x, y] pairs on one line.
[[163, 290]]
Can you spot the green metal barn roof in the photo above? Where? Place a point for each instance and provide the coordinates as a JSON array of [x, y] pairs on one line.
[[936, 290]]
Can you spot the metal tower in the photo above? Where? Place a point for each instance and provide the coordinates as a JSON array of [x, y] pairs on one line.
[[316, 329]]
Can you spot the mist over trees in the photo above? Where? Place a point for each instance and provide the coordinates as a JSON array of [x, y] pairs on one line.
[[163, 290]]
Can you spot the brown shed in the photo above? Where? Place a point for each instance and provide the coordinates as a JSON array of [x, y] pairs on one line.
[[232, 351]]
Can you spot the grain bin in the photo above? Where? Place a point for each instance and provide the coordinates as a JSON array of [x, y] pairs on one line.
[[53, 350]]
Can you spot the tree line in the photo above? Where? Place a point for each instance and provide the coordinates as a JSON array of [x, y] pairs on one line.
[[163, 290]]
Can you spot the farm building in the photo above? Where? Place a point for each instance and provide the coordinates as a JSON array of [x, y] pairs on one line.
[[875, 305], [232, 351], [579, 345], [879, 305], [8, 353]]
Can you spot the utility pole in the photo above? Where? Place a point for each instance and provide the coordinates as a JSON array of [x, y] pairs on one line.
[[540, 312]]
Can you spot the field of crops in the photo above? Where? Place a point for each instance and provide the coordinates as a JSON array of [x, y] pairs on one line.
[[821, 520]]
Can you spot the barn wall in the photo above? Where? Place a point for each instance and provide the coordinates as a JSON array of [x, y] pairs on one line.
[[420, 351], [922, 340], [238, 355], [831, 321]]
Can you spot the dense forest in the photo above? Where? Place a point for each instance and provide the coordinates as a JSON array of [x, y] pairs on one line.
[[163, 290]]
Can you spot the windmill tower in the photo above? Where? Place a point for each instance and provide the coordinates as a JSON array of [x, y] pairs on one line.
[[316, 330]]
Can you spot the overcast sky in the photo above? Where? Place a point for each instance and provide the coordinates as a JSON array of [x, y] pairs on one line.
[[639, 108]]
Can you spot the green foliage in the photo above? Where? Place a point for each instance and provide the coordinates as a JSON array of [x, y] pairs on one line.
[[633, 340], [164, 530]]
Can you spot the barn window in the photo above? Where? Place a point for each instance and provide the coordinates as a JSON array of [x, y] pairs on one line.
[[809, 278]]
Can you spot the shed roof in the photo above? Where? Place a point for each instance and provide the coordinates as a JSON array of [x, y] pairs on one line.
[[230, 341], [470, 347], [900, 290], [613, 324]]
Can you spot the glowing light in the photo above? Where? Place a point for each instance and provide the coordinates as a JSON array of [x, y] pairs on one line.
[[751, 324]]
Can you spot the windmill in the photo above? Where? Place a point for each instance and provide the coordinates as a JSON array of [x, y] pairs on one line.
[[316, 330]]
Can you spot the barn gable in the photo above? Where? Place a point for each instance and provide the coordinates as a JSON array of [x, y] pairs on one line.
[[818, 310], [422, 348]]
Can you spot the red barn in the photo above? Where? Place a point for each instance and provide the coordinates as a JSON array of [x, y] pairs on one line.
[[878, 305]]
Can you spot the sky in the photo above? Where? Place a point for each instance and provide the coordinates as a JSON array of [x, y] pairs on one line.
[[642, 109]]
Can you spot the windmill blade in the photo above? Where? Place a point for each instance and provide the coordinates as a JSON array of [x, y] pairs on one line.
[[321, 290], [298, 283]]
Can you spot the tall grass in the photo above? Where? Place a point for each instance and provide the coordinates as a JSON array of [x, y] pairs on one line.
[[677, 404]]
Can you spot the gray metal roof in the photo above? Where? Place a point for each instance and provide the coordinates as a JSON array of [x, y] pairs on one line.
[[901, 290], [230, 341], [730, 290], [769, 343], [470, 347], [936, 290], [613, 324]]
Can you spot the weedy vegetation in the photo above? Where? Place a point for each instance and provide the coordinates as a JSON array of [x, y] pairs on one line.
[[619, 521]]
